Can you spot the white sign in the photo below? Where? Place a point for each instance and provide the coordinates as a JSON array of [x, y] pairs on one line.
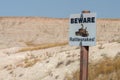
[[82, 29]]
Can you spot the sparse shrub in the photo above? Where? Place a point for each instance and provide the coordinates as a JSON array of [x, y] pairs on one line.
[[102, 70], [29, 61], [118, 41], [75, 76], [69, 62], [59, 64], [105, 67], [29, 43], [77, 48], [101, 46]]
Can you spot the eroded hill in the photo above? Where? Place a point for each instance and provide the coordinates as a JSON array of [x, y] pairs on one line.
[[27, 31]]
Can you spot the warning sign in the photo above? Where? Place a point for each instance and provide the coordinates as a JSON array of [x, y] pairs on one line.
[[82, 29]]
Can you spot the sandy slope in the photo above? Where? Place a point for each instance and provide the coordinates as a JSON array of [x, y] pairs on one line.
[[20, 31], [53, 63], [24, 31]]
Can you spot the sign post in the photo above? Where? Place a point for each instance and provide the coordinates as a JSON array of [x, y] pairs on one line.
[[83, 34], [84, 59]]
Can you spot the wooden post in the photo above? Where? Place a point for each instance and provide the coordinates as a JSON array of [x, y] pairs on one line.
[[84, 53]]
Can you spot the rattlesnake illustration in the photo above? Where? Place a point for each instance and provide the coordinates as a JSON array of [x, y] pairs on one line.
[[82, 32]]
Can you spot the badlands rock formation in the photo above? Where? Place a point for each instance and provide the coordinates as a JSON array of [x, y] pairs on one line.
[[21, 55]]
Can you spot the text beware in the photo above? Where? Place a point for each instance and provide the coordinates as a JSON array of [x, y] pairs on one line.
[[82, 20]]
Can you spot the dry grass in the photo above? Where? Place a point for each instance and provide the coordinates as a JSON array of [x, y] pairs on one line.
[[59, 64], [29, 43], [106, 69], [118, 40], [30, 61], [75, 76], [42, 46], [101, 46]]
